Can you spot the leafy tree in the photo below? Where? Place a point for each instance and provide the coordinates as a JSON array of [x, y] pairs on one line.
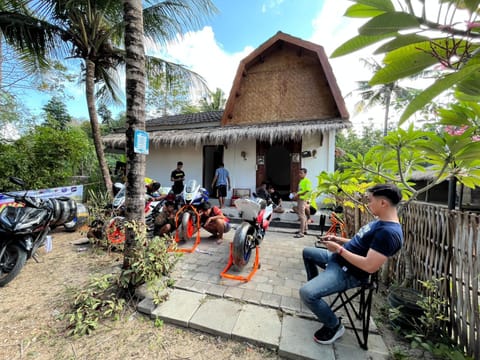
[[413, 39], [105, 115], [386, 95], [166, 96], [45, 157], [214, 101], [349, 142], [92, 31], [56, 114]]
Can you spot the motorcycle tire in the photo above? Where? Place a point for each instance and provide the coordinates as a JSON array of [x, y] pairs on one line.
[[11, 263], [187, 229], [71, 226], [243, 244], [56, 211], [116, 230]]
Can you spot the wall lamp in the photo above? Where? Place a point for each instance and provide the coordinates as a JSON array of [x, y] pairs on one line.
[[243, 154]]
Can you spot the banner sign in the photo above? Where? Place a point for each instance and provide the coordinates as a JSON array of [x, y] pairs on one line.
[[74, 192]]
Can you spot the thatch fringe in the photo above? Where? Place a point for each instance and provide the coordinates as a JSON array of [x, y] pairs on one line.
[[233, 134]]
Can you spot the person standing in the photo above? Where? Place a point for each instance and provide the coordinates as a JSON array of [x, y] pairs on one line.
[[221, 182], [178, 177], [302, 196], [347, 263]]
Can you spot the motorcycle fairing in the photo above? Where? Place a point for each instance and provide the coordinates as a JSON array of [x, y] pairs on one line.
[[18, 219]]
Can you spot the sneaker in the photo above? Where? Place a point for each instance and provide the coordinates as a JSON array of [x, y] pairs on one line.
[[328, 335]]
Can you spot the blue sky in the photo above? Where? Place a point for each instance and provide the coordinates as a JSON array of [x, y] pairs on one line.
[[215, 50]]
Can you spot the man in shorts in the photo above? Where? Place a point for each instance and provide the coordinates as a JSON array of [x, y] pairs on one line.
[[222, 184]]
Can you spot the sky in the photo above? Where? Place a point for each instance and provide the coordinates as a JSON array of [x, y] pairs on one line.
[[215, 50]]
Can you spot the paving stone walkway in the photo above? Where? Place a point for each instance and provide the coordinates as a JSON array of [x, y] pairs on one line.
[[266, 310]]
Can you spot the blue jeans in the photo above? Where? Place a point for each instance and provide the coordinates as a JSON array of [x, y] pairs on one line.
[[330, 281]]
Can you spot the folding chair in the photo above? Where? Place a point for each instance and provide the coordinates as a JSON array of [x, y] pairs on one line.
[[363, 295]]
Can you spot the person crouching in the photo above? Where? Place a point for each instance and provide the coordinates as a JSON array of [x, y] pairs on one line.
[[213, 220]]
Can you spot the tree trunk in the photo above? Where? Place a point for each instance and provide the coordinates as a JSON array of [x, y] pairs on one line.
[[135, 90], [388, 100], [97, 136]]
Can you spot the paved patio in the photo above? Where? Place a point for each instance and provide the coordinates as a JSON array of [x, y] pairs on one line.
[[266, 310]]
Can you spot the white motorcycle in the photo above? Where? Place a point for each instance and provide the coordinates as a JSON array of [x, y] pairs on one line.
[[256, 216], [187, 218]]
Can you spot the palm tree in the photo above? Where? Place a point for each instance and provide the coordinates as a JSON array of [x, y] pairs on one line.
[[135, 88], [93, 31], [215, 101], [382, 94]]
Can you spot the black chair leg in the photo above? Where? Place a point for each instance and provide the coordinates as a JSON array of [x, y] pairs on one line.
[[364, 294]]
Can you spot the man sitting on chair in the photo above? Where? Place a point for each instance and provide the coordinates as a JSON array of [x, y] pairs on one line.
[[348, 263]]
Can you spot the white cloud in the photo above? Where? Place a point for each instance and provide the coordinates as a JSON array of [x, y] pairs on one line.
[[272, 4], [331, 29], [200, 52]]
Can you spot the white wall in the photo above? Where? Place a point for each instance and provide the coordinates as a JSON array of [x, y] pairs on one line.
[[324, 160], [162, 160]]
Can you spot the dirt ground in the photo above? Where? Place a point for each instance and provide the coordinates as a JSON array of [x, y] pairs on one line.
[[31, 305]]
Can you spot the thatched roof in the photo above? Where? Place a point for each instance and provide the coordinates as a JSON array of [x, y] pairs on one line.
[[204, 128], [283, 90]]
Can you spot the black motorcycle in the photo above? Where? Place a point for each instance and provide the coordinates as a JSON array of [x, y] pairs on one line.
[[24, 228]]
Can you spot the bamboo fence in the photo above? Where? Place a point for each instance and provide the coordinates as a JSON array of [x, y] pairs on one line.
[[442, 244]]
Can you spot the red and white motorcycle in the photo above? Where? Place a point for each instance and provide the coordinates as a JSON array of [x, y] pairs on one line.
[[256, 216]]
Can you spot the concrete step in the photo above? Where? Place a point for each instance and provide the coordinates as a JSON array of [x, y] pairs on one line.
[[288, 219]]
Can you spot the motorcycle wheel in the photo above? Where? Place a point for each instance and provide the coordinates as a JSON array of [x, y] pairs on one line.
[[11, 263], [71, 226], [116, 230], [187, 228], [243, 244]]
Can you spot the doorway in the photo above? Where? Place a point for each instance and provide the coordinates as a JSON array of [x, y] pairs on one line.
[[276, 166], [212, 158]]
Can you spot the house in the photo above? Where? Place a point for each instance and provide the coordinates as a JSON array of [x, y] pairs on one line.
[[282, 114]]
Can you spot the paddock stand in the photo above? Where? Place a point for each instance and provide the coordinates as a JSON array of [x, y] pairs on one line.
[[256, 266]]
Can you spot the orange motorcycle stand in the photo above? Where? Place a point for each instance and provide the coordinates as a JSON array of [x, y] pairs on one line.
[[177, 239], [247, 278]]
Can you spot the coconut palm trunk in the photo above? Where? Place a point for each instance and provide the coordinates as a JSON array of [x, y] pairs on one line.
[[135, 91], [96, 133]]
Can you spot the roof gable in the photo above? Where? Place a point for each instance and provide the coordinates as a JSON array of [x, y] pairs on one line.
[[284, 79]]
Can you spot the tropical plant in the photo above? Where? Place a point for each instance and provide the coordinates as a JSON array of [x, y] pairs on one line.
[[56, 114], [404, 151], [385, 95], [414, 38], [45, 156], [214, 101], [92, 31], [135, 86]]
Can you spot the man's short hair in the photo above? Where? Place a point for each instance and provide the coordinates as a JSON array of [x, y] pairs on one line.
[[389, 191], [205, 206], [304, 170], [179, 163], [169, 203], [155, 186]]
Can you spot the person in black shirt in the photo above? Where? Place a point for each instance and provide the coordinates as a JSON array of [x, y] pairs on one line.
[[262, 191], [178, 177], [276, 199], [347, 263]]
